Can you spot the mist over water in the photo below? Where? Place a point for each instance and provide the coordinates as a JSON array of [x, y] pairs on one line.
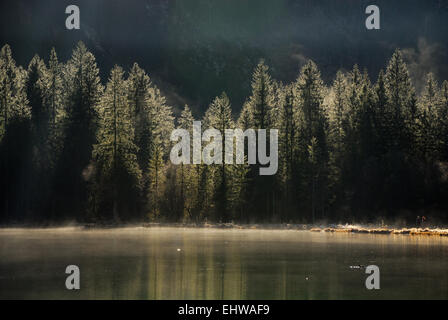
[[184, 263]]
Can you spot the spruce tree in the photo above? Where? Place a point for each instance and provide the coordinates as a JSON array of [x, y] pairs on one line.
[[83, 89], [260, 111], [139, 85], [288, 131], [367, 130], [161, 124], [242, 192], [118, 174], [311, 139], [36, 87], [53, 96], [381, 115], [15, 116], [42, 160], [13, 101], [245, 118], [261, 100], [187, 173], [219, 117], [398, 163], [427, 138], [354, 111], [287, 148], [53, 100], [338, 112], [401, 105]]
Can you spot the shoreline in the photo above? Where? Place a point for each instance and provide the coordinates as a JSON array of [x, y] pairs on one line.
[[387, 231], [331, 228]]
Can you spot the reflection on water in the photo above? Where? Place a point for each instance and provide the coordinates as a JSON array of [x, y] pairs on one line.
[[174, 263]]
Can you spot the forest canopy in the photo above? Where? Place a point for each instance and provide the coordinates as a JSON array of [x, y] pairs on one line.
[[75, 149]]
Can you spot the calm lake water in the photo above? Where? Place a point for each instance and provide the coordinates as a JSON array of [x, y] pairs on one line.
[[176, 263]]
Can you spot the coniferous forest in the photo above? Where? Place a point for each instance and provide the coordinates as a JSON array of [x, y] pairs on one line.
[[76, 148]]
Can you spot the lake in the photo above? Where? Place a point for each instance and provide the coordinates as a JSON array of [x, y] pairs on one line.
[[204, 263]]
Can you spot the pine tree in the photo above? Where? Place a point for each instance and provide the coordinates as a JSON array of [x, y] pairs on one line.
[[219, 117], [8, 75], [15, 118], [338, 109], [243, 183], [161, 119], [13, 101], [381, 115], [161, 124], [83, 89], [139, 86], [401, 105], [36, 87], [115, 152], [287, 148], [260, 110], [427, 138], [245, 119], [156, 178], [42, 154], [239, 192], [52, 93], [398, 162], [338, 116], [261, 101], [367, 130], [312, 124], [187, 173], [53, 100], [288, 131], [310, 98], [338, 113], [354, 111]]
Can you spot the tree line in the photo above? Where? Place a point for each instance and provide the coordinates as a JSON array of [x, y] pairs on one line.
[[72, 148]]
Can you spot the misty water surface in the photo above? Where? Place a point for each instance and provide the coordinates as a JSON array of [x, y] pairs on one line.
[[176, 263]]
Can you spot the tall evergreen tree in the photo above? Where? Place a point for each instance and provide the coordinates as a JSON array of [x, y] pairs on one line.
[[187, 177], [13, 101], [42, 153], [400, 124], [161, 126], [381, 114], [83, 88], [15, 118], [338, 114], [427, 138], [53, 101], [118, 175], [287, 148], [401, 107], [53, 94], [139, 86], [311, 139], [40, 115], [261, 100], [219, 117]]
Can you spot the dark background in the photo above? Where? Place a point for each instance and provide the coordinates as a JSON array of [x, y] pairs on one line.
[[194, 49]]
